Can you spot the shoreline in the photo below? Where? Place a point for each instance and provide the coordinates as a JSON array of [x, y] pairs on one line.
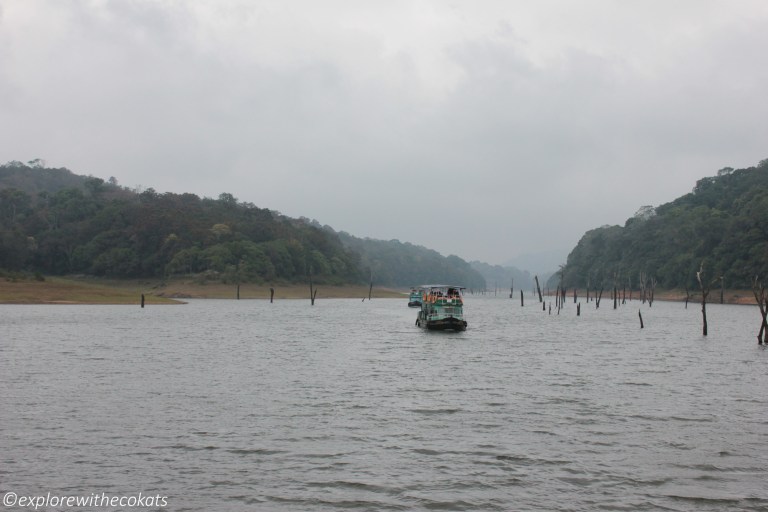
[[735, 297], [87, 290], [76, 290]]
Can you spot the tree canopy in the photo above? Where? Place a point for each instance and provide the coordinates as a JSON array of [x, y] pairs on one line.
[[55, 222], [723, 222]]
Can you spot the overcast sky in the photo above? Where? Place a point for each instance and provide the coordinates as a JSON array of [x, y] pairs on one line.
[[485, 129]]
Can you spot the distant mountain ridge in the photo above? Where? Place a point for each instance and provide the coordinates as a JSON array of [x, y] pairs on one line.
[[503, 277], [402, 264]]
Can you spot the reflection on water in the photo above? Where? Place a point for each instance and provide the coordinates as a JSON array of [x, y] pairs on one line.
[[247, 405]]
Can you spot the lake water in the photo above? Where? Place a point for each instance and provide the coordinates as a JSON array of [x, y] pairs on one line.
[[346, 405]]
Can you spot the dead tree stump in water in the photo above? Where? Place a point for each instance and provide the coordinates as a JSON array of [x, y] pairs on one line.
[[704, 292], [312, 291], [142, 300], [538, 288], [271, 295], [758, 288]]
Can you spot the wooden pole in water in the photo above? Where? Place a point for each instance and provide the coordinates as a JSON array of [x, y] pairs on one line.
[[704, 292], [578, 309], [641, 318], [521, 298], [142, 300], [758, 289], [538, 288], [722, 289], [271, 295], [312, 292], [370, 288], [238, 291]]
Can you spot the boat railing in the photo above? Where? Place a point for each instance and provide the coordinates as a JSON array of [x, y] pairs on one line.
[[442, 299]]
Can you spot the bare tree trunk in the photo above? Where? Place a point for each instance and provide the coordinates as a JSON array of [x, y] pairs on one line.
[[704, 293], [758, 288], [312, 291], [370, 288], [722, 289], [538, 288]]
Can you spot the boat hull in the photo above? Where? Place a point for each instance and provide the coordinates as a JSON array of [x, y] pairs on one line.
[[443, 324]]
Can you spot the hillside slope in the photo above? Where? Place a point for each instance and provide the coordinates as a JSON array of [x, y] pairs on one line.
[[722, 224]]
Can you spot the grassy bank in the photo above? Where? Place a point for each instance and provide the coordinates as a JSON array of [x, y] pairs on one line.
[[57, 290], [192, 290]]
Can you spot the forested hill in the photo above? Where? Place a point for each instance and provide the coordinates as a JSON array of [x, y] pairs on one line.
[[34, 178], [722, 223], [55, 222], [395, 263], [504, 277]]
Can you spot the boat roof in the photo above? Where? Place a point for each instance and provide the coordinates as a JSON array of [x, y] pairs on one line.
[[442, 286]]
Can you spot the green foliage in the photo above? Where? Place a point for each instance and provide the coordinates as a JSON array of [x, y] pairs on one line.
[[394, 263], [55, 222], [91, 229], [724, 222]]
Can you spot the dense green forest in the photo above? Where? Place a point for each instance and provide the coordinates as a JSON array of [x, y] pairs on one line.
[[722, 224], [53, 221], [395, 263]]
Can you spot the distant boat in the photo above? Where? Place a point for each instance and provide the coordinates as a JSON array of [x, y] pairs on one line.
[[414, 300], [442, 308]]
